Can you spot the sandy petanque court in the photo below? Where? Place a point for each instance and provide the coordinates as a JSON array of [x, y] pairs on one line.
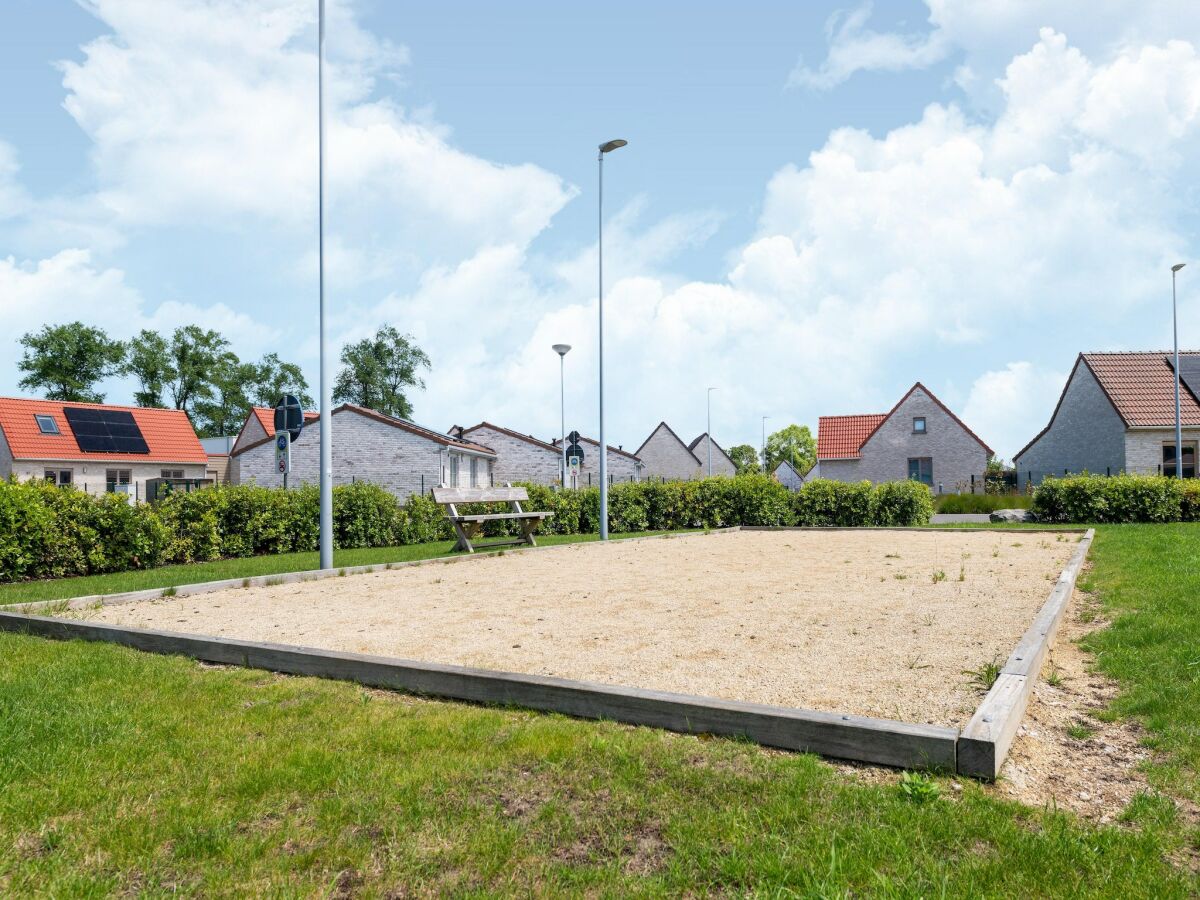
[[879, 623]]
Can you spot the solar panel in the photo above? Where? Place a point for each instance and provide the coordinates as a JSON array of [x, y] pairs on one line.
[[1189, 374], [105, 430]]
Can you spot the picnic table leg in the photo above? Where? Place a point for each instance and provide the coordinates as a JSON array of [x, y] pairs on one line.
[[527, 527]]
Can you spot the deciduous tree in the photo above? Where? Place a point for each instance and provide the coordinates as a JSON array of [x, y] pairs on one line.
[[377, 371], [64, 362], [795, 444], [745, 458]]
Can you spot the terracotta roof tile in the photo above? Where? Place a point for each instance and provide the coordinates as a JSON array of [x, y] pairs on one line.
[[840, 437], [1141, 387], [168, 433]]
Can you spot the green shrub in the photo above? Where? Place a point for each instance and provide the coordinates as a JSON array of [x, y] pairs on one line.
[[903, 503], [838, 503], [1121, 498], [1189, 507]]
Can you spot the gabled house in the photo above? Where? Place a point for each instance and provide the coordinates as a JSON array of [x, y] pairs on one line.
[[666, 456], [519, 457], [919, 439], [260, 423], [622, 465], [1117, 414], [721, 463], [786, 474], [98, 447], [401, 456]]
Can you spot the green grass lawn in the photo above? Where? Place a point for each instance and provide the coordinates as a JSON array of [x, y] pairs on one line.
[[123, 772], [218, 570]]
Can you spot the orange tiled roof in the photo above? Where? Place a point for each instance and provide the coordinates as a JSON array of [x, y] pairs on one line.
[[1141, 387], [266, 417], [168, 433], [840, 437]]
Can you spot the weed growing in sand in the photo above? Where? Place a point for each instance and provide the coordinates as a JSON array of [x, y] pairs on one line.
[[272, 582], [169, 592], [962, 572], [1080, 731], [899, 576], [245, 582], [891, 556], [1054, 678], [915, 663], [341, 573], [917, 788], [939, 575], [1017, 544], [58, 607], [929, 620], [985, 676], [995, 552]]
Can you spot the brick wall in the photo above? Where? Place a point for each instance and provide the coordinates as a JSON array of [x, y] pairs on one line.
[[364, 449], [1086, 435], [251, 432], [884, 457], [518, 460], [6, 459], [92, 476], [721, 464], [665, 456], [1144, 447], [620, 466]]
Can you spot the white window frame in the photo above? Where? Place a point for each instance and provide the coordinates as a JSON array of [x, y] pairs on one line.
[[474, 471], [453, 470]]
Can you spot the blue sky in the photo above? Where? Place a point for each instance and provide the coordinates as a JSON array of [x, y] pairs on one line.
[[821, 203]]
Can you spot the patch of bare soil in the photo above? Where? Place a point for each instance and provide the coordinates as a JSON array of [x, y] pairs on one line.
[[1064, 754]]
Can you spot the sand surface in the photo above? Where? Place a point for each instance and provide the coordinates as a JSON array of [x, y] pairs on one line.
[[845, 621]]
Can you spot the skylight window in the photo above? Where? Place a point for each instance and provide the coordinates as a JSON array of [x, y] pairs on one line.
[[47, 425]]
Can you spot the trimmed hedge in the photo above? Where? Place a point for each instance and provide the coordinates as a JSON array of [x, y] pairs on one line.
[[1120, 498], [980, 503], [52, 532]]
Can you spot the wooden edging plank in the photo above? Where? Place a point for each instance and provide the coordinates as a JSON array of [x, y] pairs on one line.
[[986, 739], [93, 601], [859, 738]]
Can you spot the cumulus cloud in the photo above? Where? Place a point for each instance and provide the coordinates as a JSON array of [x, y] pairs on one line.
[[1010, 405]]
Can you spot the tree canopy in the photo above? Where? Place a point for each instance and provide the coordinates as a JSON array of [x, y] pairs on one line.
[[795, 444], [745, 458], [65, 362], [377, 371]]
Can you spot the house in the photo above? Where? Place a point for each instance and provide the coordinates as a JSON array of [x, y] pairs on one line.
[[622, 465], [919, 439], [665, 456], [787, 475], [519, 457], [720, 461], [218, 449], [97, 447], [260, 423], [1117, 414], [399, 455]]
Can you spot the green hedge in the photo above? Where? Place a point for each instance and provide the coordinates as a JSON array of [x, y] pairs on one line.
[[51, 532], [958, 504], [1121, 498]]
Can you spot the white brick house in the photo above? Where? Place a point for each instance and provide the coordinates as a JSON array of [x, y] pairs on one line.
[[396, 454], [786, 475], [920, 439], [721, 463], [666, 456], [1117, 414], [622, 465], [38, 440], [519, 457]]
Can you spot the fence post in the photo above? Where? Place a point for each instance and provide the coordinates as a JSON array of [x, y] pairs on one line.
[[1108, 471], [972, 482], [422, 484]]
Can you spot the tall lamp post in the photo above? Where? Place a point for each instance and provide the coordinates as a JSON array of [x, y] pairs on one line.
[[709, 432], [326, 474], [606, 147], [561, 350], [1178, 423], [764, 442]]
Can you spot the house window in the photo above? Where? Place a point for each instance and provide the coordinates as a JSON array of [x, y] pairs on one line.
[[1189, 459], [918, 425], [173, 473], [114, 479], [47, 425], [58, 476], [474, 472], [921, 469], [453, 471]]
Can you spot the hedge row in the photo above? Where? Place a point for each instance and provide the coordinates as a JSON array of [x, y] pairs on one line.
[[1121, 498], [51, 532]]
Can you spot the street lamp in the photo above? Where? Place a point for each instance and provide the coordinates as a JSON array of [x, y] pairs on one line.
[[1178, 423], [561, 350], [764, 442], [606, 147], [709, 432], [326, 474]]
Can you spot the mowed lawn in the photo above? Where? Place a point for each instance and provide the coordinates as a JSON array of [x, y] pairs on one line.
[[129, 773]]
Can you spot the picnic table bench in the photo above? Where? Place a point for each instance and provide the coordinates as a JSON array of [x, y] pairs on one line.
[[469, 525]]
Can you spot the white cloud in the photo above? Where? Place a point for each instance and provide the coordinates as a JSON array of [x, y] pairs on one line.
[[855, 48], [1008, 406]]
